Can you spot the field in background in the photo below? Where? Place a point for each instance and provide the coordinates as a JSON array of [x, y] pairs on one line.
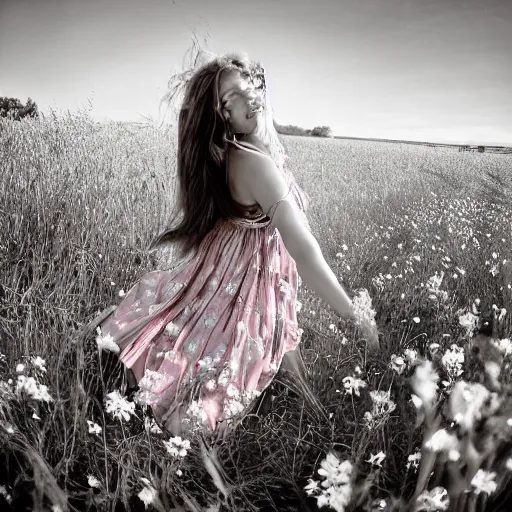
[[79, 203]]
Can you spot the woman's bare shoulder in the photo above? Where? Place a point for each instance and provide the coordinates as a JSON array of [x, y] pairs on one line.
[[239, 162]]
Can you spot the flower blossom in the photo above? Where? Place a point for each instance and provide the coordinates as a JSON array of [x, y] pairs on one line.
[[435, 500], [376, 460], [106, 342], [118, 406], [483, 481], [177, 446], [353, 385]]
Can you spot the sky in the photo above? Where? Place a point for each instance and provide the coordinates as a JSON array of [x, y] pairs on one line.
[[419, 70]]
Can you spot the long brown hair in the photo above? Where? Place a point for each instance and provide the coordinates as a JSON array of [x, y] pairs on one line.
[[204, 136]]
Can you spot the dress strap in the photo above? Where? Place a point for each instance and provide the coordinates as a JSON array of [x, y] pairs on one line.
[[251, 148]]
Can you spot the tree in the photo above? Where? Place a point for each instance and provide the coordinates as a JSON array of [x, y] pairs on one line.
[[12, 108], [321, 131]]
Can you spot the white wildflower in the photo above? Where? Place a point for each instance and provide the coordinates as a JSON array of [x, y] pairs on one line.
[[469, 321], [177, 446], [352, 385], [376, 460], [311, 487], [435, 500], [397, 364], [334, 471], [34, 390], [453, 360], [410, 356], [483, 481], [147, 495], [39, 363], [94, 428], [93, 481], [413, 460], [118, 406], [106, 342]]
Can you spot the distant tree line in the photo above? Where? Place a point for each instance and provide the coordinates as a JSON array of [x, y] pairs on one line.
[[12, 108], [289, 129]]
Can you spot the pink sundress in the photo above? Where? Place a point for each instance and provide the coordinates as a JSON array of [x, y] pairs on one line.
[[205, 338]]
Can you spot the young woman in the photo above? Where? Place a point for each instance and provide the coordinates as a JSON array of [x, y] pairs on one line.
[[205, 338]]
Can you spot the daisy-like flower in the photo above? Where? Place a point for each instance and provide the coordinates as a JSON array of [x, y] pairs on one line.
[[147, 495], [177, 446], [94, 428], [376, 460], [483, 481], [34, 390], [312, 487], [434, 282], [334, 471], [118, 406], [413, 460], [397, 364], [469, 321], [106, 342], [352, 385], [453, 360], [410, 356], [383, 398], [93, 481], [435, 500], [39, 363]]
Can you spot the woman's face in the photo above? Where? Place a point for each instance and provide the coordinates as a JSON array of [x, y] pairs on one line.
[[239, 99]]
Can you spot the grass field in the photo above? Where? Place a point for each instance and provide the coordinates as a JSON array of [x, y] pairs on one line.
[[427, 231]]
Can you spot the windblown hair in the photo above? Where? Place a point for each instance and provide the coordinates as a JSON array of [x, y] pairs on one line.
[[203, 143]]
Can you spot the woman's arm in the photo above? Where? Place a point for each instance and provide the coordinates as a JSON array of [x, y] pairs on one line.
[[265, 183]]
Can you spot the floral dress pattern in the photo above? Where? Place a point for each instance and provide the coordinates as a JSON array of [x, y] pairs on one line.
[[206, 337]]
